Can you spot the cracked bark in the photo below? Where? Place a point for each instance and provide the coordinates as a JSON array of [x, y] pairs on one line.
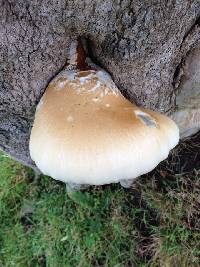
[[142, 44]]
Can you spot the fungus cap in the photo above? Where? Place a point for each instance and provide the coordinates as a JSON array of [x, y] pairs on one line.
[[86, 132]]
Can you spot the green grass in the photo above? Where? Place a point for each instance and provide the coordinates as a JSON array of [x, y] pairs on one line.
[[156, 223]]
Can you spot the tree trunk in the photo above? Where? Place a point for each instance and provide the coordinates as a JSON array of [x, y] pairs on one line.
[[142, 44]]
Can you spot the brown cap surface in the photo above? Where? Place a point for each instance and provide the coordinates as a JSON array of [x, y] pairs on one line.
[[86, 132]]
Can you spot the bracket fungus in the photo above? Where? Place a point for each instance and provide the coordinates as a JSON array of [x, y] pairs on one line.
[[86, 132]]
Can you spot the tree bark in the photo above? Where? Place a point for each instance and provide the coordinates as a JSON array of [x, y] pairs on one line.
[[142, 44]]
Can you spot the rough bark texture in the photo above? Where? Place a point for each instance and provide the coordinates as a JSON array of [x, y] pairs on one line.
[[141, 44], [187, 113]]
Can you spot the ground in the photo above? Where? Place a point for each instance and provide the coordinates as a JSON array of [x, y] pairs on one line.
[[155, 223]]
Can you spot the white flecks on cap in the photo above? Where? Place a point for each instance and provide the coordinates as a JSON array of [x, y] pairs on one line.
[[61, 85], [146, 118], [101, 94], [95, 99], [97, 86], [104, 82], [106, 79], [70, 75], [70, 119], [85, 79]]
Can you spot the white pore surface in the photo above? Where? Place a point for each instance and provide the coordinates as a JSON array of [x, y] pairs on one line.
[[106, 156]]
